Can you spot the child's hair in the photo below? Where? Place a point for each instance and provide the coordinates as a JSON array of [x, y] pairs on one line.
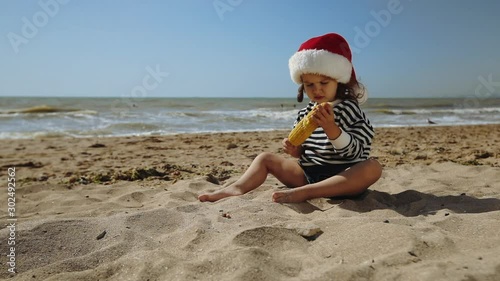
[[344, 91]]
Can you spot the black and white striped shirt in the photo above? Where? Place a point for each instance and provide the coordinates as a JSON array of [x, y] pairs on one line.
[[353, 145]]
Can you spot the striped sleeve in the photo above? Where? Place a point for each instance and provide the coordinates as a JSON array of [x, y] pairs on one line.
[[354, 123]]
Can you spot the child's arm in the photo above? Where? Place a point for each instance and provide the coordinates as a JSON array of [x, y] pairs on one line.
[[351, 135]]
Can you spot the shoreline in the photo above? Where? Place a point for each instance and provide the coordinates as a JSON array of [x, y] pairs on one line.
[[57, 135]]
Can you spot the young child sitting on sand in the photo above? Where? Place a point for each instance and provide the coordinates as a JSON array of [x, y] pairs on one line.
[[333, 161]]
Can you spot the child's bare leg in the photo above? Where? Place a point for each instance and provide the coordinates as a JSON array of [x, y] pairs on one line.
[[353, 181], [285, 170]]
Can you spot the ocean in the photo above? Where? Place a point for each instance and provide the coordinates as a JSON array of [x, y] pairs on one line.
[[30, 117]]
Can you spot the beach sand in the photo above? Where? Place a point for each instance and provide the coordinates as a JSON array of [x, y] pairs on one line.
[[126, 209]]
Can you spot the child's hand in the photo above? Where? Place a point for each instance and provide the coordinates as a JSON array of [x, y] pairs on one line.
[[292, 150], [325, 118]]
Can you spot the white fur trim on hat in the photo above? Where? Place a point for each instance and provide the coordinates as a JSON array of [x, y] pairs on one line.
[[319, 62]]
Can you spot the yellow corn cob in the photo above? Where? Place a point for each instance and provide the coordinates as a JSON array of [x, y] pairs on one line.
[[303, 129]]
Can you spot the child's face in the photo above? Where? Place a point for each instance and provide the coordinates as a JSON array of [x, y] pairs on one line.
[[319, 88]]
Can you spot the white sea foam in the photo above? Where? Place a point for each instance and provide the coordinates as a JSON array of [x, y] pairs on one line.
[[81, 117]]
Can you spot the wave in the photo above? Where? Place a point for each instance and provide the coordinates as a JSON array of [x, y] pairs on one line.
[[45, 110], [132, 126], [237, 114], [37, 109], [482, 110], [417, 103], [393, 111]]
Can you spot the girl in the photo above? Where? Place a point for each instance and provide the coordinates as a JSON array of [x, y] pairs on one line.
[[333, 161]]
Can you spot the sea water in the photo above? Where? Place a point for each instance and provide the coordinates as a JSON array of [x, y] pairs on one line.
[[28, 117]]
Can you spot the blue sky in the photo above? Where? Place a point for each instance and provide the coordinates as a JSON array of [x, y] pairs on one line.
[[240, 48]]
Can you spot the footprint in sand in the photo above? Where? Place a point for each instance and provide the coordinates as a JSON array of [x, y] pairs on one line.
[[137, 196], [188, 208], [275, 238], [134, 199], [185, 196], [271, 250], [156, 222]]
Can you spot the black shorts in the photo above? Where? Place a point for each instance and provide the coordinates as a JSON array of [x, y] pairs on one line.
[[318, 173]]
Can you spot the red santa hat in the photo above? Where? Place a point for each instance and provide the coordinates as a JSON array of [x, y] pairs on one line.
[[327, 55]]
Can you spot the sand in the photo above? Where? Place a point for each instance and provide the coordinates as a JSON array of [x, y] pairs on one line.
[[126, 209]]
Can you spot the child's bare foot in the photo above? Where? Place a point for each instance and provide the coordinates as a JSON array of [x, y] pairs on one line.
[[289, 196], [217, 195]]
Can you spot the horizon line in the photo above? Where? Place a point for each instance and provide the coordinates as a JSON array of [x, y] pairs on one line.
[[219, 97]]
